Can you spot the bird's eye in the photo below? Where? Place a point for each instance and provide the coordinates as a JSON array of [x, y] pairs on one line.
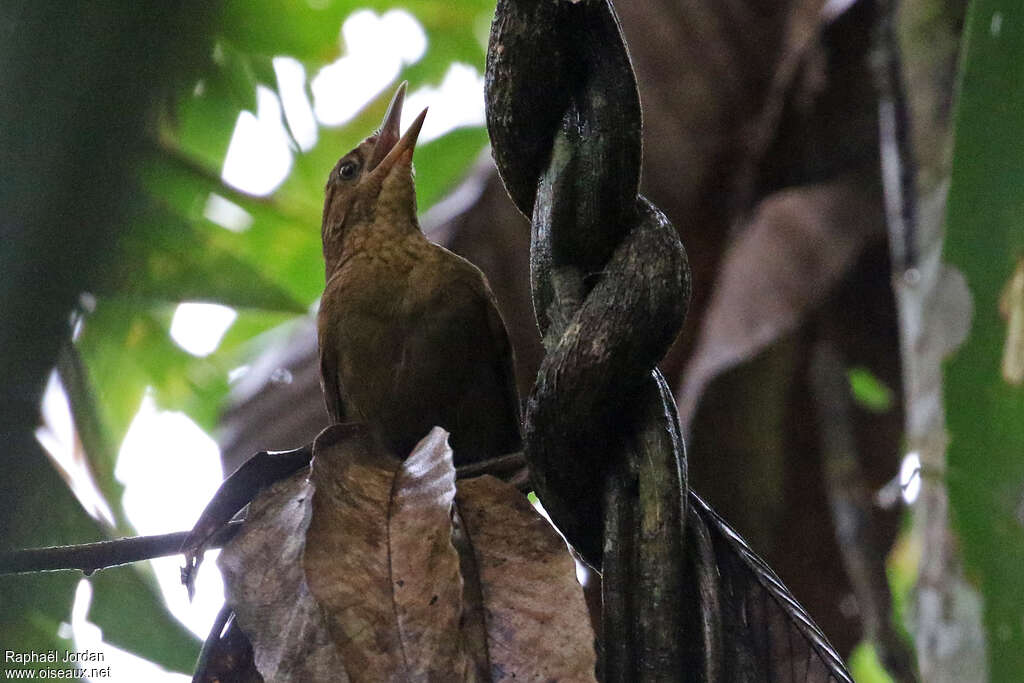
[[347, 171]]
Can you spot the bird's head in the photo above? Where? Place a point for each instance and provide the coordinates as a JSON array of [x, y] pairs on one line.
[[373, 184]]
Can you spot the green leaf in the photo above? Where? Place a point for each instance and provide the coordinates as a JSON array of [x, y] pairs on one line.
[[128, 348], [985, 240], [93, 432], [167, 259], [283, 241], [32, 607], [865, 667], [274, 27], [38, 510], [869, 391], [443, 50], [128, 607], [442, 163], [263, 70], [456, 32], [204, 121], [108, 345], [447, 17], [234, 75], [243, 339]]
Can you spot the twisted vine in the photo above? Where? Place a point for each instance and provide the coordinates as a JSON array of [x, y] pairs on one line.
[[609, 275], [610, 286]]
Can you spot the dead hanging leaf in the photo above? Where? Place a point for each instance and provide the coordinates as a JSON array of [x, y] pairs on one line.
[[348, 571], [537, 622], [799, 244], [379, 558], [265, 585]]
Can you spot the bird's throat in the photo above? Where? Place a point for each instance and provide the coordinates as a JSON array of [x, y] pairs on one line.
[[386, 238]]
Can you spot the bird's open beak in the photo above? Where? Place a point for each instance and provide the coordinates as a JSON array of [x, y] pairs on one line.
[[390, 147]]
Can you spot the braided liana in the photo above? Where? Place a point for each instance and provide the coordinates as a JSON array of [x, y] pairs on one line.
[[611, 286]]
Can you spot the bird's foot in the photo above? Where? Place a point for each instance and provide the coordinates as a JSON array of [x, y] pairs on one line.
[[255, 474]]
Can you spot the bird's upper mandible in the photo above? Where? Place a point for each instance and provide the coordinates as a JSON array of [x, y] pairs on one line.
[[373, 183]]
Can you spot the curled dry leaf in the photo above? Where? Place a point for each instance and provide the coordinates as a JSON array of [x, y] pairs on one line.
[[348, 571], [265, 585], [537, 623], [799, 244], [379, 558]]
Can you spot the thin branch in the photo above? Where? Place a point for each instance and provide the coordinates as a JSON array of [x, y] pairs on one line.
[[899, 169], [948, 625], [510, 468], [90, 557]]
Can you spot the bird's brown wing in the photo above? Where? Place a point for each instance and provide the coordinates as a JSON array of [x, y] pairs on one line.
[[329, 380], [491, 396]]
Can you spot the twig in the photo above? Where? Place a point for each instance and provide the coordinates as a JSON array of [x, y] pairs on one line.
[[510, 468], [899, 170], [948, 623], [89, 557]]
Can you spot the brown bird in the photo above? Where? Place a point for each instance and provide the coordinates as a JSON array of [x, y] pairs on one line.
[[410, 334]]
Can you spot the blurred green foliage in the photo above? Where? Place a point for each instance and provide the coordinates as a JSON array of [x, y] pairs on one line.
[[865, 667], [985, 240], [168, 253], [869, 391]]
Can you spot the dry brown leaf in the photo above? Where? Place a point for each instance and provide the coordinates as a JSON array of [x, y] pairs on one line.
[[536, 617], [348, 571], [379, 558], [799, 244], [265, 586]]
